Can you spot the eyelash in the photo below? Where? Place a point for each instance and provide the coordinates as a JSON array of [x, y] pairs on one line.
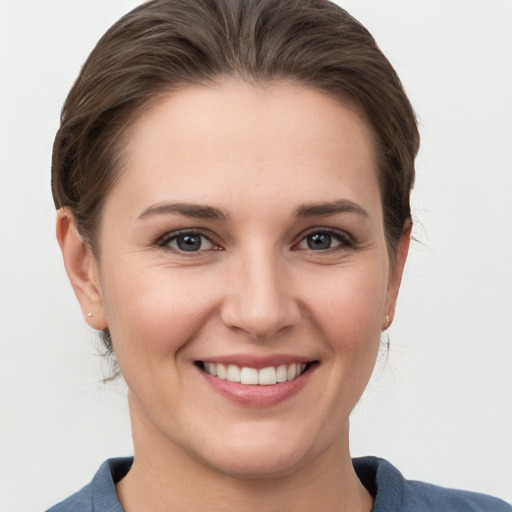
[[164, 242], [345, 241]]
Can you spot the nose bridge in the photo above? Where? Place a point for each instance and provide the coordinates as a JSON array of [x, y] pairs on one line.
[[260, 301]]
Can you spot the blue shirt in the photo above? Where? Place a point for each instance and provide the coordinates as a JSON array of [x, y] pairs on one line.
[[391, 491]]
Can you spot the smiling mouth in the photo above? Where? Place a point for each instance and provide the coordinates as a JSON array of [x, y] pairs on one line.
[[267, 376]]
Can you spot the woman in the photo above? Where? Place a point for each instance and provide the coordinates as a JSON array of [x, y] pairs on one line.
[[232, 181]]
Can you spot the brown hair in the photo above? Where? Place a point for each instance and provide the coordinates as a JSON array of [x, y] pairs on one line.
[[163, 45]]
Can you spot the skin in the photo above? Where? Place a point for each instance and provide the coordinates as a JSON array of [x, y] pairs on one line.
[[258, 155]]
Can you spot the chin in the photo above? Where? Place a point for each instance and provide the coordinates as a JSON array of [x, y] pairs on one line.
[[257, 464], [261, 455]]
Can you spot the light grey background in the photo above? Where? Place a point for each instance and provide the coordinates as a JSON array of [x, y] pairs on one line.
[[440, 408]]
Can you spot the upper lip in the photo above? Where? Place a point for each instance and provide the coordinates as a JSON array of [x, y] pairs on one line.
[[258, 362]]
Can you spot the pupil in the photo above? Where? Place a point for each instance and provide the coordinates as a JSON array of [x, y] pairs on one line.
[[189, 242], [319, 241]]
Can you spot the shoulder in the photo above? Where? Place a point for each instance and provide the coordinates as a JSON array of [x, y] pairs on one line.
[[432, 497], [392, 491], [81, 501], [100, 495]]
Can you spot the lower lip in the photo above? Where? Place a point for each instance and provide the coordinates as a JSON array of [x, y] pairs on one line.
[[257, 395]]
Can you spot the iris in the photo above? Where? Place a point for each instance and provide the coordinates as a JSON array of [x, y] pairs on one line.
[[189, 242], [319, 241]]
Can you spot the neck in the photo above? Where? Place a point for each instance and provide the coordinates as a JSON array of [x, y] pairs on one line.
[[166, 477]]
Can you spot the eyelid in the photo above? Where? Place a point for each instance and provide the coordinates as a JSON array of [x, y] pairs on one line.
[[164, 240], [346, 241]]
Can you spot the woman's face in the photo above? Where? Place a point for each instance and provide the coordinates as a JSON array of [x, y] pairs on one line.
[[245, 239]]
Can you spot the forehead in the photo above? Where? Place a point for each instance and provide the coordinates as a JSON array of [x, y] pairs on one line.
[[260, 114], [245, 138]]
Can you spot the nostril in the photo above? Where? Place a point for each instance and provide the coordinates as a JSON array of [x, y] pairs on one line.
[[259, 325], [260, 303]]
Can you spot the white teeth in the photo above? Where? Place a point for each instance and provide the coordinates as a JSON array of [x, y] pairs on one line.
[[264, 377], [233, 373], [249, 376], [221, 371], [267, 376], [212, 369], [281, 373]]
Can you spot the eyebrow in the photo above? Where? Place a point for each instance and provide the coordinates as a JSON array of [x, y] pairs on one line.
[[196, 211], [193, 211], [329, 208]]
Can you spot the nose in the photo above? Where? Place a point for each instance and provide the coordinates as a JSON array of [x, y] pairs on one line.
[[259, 299]]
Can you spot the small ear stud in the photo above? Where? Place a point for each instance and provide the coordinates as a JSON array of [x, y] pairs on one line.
[[89, 315], [387, 319]]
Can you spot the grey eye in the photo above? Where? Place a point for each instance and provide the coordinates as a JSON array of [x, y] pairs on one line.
[[189, 242], [319, 241], [323, 240]]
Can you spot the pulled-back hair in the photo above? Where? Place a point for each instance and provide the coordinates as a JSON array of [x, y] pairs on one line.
[[164, 45]]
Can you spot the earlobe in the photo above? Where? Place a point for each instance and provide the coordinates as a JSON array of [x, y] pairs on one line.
[[395, 276], [82, 269]]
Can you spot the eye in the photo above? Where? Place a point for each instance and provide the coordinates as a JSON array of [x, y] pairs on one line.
[[187, 241], [325, 239]]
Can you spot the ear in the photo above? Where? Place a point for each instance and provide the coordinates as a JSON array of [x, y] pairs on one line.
[[82, 269], [395, 275]]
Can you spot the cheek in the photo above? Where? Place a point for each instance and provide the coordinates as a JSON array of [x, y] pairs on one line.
[[349, 306], [156, 310]]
